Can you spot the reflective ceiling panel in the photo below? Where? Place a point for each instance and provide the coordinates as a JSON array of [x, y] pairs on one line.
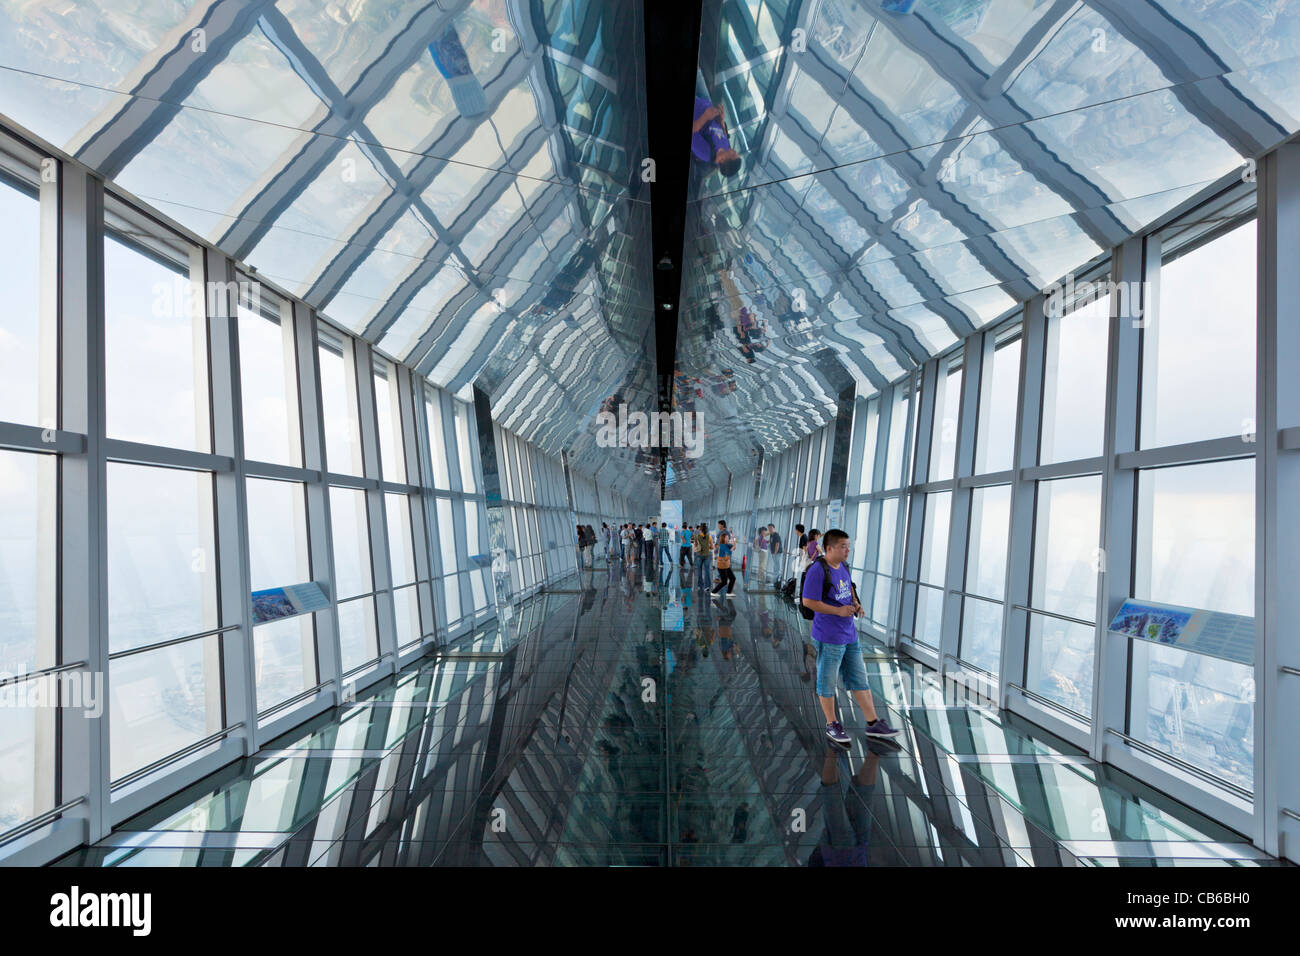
[[911, 171], [451, 179]]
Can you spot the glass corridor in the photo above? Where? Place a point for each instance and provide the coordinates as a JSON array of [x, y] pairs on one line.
[[313, 309], [599, 727]]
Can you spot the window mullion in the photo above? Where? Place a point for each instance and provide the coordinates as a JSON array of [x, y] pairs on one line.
[[1131, 263], [959, 517], [83, 533], [1020, 536], [235, 648], [319, 530]]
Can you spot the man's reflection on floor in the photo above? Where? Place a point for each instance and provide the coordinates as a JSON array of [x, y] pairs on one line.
[[846, 821]]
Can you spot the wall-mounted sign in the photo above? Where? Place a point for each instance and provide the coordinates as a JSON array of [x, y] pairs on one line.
[[288, 601], [1230, 637]]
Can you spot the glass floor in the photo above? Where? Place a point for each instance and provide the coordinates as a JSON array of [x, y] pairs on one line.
[[625, 720]]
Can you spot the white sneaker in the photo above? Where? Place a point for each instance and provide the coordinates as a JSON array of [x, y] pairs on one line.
[[731, 595]]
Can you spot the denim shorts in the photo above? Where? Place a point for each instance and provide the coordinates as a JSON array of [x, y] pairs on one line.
[[840, 660]]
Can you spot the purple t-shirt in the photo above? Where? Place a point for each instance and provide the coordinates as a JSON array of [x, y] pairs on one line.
[[711, 137], [828, 628]]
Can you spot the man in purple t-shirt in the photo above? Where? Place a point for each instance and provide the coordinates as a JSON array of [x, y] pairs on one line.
[[828, 592], [710, 142]]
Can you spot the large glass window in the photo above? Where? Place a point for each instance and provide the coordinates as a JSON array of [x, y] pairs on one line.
[[474, 541], [401, 552], [268, 378], [155, 344], [284, 659], [1074, 384], [28, 569], [353, 578], [934, 565], [162, 566], [996, 437], [351, 526], [1198, 353], [162, 701], [1195, 542], [896, 456], [943, 439], [437, 443], [28, 629], [886, 581], [870, 421], [463, 450], [986, 569], [339, 406], [1067, 559], [1195, 546], [277, 534], [447, 546], [358, 637], [387, 405], [26, 347]]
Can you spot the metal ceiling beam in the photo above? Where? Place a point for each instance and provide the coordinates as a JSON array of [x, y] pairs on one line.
[[167, 76], [899, 154], [882, 232], [1185, 57], [434, 259], [931, 40], [281, 33], [340, 126]]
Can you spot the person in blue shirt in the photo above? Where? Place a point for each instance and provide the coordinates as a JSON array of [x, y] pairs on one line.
[[665, 539], [828, 593], [710, 141], [684, 554]]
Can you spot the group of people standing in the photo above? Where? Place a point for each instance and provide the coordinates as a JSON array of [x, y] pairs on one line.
[[649, 542], [710, 552], [587, 544], [769, 552], [653, 543]]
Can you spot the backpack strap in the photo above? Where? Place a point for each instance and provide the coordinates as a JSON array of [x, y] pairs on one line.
[[826, 582]]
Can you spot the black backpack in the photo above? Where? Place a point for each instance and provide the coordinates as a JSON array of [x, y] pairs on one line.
[[807, 613]]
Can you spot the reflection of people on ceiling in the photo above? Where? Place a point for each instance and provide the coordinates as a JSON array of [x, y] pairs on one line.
[[712, 321], [452, 61], [710, 141], [750, 333]]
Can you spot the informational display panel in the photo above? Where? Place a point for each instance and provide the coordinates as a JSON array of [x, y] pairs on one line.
[[670, 514], [272, 604], [1230, 637]]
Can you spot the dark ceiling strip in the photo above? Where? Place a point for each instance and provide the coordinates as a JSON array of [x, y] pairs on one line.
[[672, 36]]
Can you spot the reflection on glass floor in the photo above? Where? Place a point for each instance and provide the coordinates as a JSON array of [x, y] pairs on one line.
[[630, 720]]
